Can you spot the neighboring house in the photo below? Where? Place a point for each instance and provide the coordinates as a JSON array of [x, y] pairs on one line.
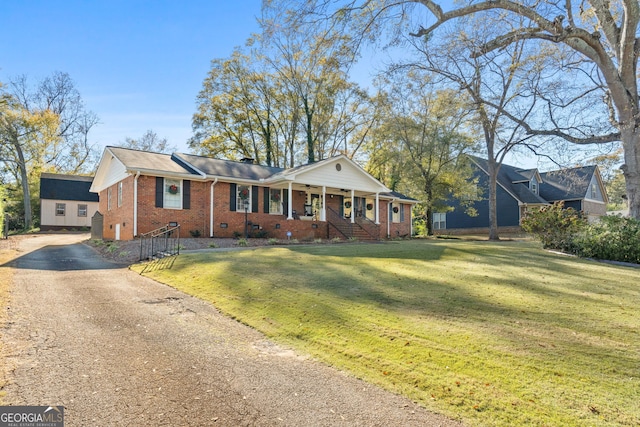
[[65, 202], [142, 191], [521, 189]]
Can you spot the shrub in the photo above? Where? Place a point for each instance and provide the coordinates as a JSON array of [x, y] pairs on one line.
[[213, 245], [612, 238], [237, 234], [243, 242], [555, 226], [261, 234], [272, 241], [195, 233]]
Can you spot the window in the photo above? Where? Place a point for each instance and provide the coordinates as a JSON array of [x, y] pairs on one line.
[[275, 201], [82, 210], [60, 209], [439, 221], [396, 212], [594, 191], [172, 194], [243, 197], [534, 186], [119, 194], [109, 198]]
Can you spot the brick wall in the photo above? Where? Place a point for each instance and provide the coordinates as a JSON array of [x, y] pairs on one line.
[[226, 223]]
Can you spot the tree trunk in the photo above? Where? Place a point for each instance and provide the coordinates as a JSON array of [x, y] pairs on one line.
[[631, 169], [429, 211], [493, 199], [26, 192]]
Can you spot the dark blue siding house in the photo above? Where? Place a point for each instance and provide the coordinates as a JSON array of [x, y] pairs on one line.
[[521, 189]]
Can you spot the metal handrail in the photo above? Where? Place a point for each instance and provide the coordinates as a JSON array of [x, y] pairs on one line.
[[160, 243]]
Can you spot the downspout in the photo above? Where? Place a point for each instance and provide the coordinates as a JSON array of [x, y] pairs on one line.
[[211, 193], [135, 204]]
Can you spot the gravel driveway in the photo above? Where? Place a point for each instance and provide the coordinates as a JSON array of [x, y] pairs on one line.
[[117, 349]]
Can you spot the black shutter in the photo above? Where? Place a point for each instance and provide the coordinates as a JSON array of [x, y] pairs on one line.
[[341, 206], [232, 196], [285, 201], [186, 194], [401, 213], [255, 190], [267, 198], [159, 192]]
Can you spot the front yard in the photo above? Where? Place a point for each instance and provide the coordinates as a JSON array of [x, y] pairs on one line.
[[497, 334]]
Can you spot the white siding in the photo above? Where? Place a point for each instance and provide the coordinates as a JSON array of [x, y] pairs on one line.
[[71, 219], [348, 177]]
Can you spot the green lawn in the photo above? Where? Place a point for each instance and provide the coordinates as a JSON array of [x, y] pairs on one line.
[[498, 334]]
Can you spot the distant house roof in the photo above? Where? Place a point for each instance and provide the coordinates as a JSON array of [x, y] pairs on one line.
[[66, 187], [553, 186], [513, 180], [566, 184]]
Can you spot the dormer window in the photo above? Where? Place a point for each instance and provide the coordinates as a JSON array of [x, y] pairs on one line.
[[533, 186]]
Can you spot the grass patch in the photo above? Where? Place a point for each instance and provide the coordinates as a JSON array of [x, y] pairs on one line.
[[497, 334]]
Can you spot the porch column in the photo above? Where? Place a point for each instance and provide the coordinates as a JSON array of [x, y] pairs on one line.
[[290, 207], [377, 208], [323, 210], [353, 206]]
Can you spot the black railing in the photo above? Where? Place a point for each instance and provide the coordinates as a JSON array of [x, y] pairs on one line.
[[160, 243], [362, 227]]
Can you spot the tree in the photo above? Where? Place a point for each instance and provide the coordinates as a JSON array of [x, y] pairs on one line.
[[150, 141], [284, 100], [419, 146], [497, 86], [24, 135], [72, 153], [599, 33], [598, 40], [43, 129]]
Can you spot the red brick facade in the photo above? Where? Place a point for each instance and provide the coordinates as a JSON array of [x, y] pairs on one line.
[[226, 223]]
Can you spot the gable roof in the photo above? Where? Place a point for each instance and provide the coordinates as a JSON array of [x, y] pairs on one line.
[[228, 168], [514, 181], [338, 172], [66, 187], [567, 184], [553, 186]]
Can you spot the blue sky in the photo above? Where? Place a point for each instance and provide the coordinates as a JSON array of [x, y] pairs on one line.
[[138, 65]]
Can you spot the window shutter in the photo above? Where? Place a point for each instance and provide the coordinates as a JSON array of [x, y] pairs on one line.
[[159, 192], [267, 199], [186, 194], [233, 192], [401, 213], [341, 207], [285, 201], [255, 190]]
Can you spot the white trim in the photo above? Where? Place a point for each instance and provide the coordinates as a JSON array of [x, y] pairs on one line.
[[290, 201]]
